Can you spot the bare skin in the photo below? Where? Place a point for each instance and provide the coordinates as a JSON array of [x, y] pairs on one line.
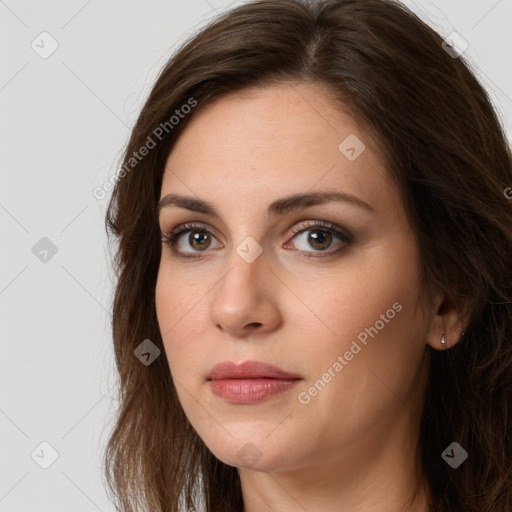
[[351, 445]]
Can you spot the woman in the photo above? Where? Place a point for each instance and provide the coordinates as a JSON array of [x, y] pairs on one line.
[[313, 306]]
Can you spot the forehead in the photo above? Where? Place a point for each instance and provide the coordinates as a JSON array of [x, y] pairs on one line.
[[274, 141]]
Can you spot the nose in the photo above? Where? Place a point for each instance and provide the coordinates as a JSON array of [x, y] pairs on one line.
[[246, 299]]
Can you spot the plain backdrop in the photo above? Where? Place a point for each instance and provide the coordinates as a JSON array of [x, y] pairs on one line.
[[64, 119]]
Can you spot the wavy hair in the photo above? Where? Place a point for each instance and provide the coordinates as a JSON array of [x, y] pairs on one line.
[[443, 144]]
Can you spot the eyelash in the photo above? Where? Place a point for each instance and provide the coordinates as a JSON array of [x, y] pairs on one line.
[[171, 238]]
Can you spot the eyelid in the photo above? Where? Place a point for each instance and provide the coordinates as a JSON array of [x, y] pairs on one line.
[[178, 231], [328, 226]]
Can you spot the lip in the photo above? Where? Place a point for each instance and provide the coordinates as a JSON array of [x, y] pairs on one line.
[[249, 382], [248, 370]]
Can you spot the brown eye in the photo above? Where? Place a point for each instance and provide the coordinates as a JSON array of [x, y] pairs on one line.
[[319, 239], [199, 240], [320, 236]]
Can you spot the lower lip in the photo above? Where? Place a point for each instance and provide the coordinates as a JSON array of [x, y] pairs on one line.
[[249, 391]]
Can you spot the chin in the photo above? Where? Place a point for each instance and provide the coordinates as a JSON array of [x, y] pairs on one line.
[[252, 450]]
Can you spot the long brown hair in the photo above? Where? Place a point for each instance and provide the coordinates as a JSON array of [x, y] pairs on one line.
[[443, 144]]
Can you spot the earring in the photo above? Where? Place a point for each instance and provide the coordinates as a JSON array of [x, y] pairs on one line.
[[443, 341]]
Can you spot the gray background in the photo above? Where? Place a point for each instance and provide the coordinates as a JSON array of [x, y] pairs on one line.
[[64, 121]]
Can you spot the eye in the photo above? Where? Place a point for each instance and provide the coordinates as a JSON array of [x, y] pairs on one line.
[[320, 236], [200, 239]]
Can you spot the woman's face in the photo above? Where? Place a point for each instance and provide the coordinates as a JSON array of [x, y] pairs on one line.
[[339, 313]]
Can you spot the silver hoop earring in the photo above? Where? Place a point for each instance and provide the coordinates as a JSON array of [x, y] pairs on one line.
[[443, 341]]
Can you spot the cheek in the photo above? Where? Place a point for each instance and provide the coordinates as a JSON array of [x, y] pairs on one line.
[[167, 304], [346, 299], [177, 299], [368, 305], [368, 315], [177, 306]]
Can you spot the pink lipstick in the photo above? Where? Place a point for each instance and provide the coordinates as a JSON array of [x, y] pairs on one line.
[[249, 382]]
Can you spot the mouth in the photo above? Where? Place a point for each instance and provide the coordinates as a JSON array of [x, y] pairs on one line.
[[249, 382]]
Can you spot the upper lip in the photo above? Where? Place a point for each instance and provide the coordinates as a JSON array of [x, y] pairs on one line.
[[248, 370]]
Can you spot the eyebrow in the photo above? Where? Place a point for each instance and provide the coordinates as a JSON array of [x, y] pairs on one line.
[[277, 207]]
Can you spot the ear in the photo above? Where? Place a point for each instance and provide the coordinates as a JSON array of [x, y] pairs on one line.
[[446, 319]]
